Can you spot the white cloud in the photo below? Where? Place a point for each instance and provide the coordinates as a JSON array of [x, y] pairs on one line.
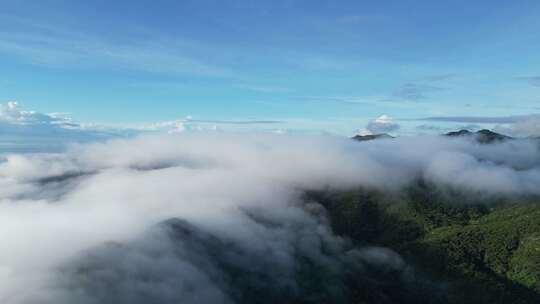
[[530, 127], [56, 207], [481, 119], [527, 127], [66, 46], [173, 126], [11, 113], [383, 124], [263, 89], [30, 131]]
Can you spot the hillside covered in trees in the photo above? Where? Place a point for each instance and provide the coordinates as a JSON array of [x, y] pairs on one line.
[[274, 219], [460, 251]]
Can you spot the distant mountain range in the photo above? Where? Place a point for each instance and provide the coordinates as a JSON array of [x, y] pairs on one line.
[[483, 136]]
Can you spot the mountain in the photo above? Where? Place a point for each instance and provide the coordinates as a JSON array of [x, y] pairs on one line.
[[480, 252], [459, 133], [483, 136], [372, 137]]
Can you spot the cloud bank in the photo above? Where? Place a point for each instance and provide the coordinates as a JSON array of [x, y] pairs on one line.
[[529, 126], [209, 217], [30, 131]]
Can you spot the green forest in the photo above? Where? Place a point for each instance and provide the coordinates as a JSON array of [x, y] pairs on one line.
[[459, 249]]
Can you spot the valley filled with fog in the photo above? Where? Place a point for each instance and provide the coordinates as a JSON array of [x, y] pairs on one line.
[[224, 218]]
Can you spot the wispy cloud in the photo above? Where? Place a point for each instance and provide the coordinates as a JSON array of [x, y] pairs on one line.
[[415, 91], [360, 100], [439, 77], [338, 99], [26, 131], [263, 89], [44, 44], [237, 122], [191, 124], [481, 119], [529, 126]]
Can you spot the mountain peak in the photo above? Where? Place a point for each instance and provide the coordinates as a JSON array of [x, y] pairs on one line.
[[483, 136], [371, 137], [462, 132]]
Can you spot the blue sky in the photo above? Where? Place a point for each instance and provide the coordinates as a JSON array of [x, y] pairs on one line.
[[320, 64]]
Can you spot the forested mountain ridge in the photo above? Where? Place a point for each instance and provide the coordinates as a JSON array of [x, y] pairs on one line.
[[485, 252]]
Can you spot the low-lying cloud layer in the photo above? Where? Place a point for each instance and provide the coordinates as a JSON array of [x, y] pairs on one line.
[[26, 131], [30, 131], [205, 218]]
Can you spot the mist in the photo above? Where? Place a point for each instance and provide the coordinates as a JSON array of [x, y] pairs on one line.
[[217, 218]]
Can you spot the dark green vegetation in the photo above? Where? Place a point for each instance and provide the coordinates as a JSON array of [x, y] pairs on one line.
[[371, 137], [483, 136], [470, 252]]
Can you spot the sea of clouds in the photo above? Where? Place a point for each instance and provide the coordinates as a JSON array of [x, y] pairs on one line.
[[207, 217]]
